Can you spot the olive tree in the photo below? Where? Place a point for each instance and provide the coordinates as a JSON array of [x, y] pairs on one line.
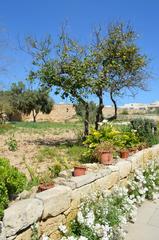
[[29, 101]]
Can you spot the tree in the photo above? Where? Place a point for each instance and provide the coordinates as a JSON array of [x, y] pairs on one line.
[[121, 66], [69, 73], [29, 101], [111, 64], [80, 111]]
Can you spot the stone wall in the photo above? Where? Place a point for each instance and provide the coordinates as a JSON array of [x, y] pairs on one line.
[[60, 204]]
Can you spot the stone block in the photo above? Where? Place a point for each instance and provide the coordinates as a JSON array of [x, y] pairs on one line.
[[124, 168], [2, 232], [21, 215], [26, 235], [83, 180], [106, 182], [102, 173], [50, 226], [55, 200], [135, 163], [81, 193]]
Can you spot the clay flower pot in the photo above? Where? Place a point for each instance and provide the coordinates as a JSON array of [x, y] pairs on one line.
[[124, 154], [45, 186], [79, 171], [106, 158]]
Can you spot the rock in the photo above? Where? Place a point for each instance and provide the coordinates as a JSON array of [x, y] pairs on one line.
[[106, 182], [28, 194], [21, 215], [55, 200], [69, 183], [102, 173], [124, 168], [51, 225], [65, 174], [135, 163], [26, 235], [2, 232], [23, 195], [83, 180]]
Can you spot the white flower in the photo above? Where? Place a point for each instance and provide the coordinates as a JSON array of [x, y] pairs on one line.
[[63, 228], [105, 121], [83, 238], [90, 218], [44, 237], [80, 217]]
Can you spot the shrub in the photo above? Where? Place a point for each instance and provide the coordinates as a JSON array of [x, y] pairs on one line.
[[12, 182], [101, 217], [3, 197], [146, 129], [120, 137], [55, 170], [12, 144]]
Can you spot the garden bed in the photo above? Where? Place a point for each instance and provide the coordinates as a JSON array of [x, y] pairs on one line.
[[60, 204]]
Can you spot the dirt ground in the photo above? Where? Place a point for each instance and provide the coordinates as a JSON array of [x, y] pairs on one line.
[[28, 145]]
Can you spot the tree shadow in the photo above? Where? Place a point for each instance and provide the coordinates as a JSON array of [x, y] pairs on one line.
[[51, 142]]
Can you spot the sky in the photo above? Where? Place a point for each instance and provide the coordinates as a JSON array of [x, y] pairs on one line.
[[19, 18]]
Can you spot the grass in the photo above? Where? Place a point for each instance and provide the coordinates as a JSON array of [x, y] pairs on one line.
[[46, 125], [57, 127], [65, 154], [5, 128]]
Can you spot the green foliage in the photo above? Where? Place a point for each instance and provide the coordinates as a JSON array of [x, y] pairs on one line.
[[3, 197], [145, 183], [120, 138], [5, 105], [55, 170], [146, 129], [12, 182], [27, 101], [12, 143], [102, 215], [35, 234], [124, 112], [80, 110], [151, 175]]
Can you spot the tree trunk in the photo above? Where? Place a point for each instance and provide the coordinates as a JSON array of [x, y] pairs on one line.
[[99, 115], [34, 116], [115, 107], [86, 120]]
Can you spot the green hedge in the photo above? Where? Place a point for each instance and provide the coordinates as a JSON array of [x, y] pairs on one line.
[[12, 182]]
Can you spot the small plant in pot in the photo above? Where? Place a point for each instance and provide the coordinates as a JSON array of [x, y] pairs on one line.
[[79, 170], [124, 153], [104, 153], [46, 182]]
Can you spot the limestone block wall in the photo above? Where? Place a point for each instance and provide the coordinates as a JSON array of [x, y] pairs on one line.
[[60, 204]]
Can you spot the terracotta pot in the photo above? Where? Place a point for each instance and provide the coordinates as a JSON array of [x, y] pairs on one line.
[[45, 186], [79, 171], [106, 158], [124, 154]]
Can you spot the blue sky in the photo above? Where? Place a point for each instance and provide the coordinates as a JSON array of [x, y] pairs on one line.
[[20, 18]]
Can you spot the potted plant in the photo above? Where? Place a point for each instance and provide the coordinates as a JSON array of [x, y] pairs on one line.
[[46, 182], [104, 153], [124, 153], [79, 171]]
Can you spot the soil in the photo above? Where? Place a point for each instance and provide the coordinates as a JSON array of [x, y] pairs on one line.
[[29, 143]]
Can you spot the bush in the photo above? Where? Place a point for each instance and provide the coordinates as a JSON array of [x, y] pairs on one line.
[[3, 197], [12, 182], [12, 144], [146, 129], [118, 136]]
